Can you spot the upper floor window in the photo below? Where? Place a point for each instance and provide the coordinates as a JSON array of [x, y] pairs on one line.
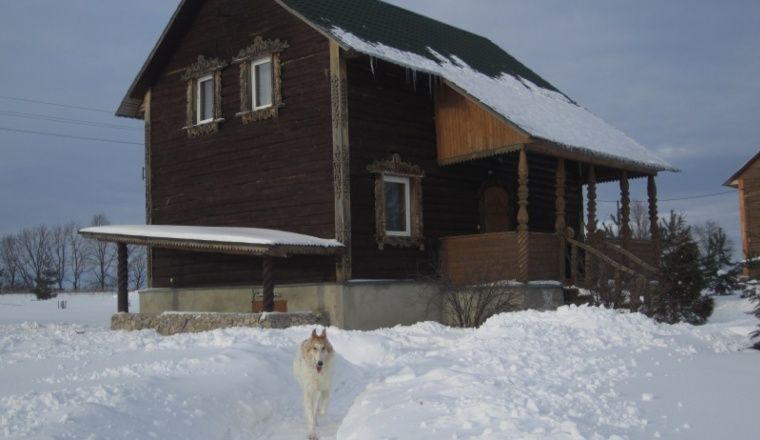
[[204, 96], [261, 71], [260, 79], [205, 99]]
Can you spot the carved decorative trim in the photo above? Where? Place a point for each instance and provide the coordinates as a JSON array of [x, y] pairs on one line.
[[191, 75], [203, 66], [396, 167], [260, 48]]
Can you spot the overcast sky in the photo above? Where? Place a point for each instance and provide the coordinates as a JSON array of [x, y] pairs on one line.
[[681, 77]]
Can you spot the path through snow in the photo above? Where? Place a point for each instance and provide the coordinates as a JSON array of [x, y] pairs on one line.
[[571, 374]]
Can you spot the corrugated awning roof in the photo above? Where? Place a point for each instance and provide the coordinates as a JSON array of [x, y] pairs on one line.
[[246, 241]]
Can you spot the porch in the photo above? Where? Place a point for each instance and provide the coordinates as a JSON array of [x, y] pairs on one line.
[[564, 254]]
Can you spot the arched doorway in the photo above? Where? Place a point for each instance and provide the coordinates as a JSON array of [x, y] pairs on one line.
[[495, 210]]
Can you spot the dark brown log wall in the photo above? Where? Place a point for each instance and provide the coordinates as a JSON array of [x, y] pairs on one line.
[[390, 114], [274, 173]]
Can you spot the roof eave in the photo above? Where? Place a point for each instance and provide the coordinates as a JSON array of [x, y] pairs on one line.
[[130, 104]]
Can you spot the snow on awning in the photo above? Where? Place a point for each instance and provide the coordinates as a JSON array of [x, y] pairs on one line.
[[540, 112], [247, 241]]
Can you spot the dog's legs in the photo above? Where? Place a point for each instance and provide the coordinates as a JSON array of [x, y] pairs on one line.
[[324, 400], [310, 410]]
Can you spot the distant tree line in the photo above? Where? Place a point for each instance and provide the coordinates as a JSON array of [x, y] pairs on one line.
[[45, 259]]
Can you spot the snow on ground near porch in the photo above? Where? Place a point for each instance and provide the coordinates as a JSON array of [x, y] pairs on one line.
[[570, 374]]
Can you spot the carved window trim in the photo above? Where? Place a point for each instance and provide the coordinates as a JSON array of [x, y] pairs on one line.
[[202, 69], [394, 168], [260, 49]]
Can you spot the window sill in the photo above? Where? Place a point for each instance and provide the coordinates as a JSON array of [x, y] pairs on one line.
[[261, 114], [400, 241], [204, 128]]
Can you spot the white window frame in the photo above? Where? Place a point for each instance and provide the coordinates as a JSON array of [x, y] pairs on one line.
[[406, 181], [200, 81], [258, 62]]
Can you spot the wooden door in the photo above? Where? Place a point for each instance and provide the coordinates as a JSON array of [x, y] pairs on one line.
[[495, 212]]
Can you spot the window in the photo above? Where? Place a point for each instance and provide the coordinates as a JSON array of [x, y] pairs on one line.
[[261, 71], [205, 99], [204, 96], [397, 215], [398, 203], [260, 80]]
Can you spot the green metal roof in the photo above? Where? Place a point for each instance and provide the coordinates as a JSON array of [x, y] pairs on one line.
[[378, 22]]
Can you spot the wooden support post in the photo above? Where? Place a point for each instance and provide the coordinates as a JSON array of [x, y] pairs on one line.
[[591, 222], [267, 278], [625, 210], [654, 227], [341, 160], [522, 218], [122, 295], [574, 265], [559, 222]]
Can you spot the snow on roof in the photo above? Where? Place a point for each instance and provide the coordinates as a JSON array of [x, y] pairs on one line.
[[246, 236], [543, 113]]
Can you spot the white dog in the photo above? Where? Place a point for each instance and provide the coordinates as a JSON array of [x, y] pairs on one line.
[[313, 370]]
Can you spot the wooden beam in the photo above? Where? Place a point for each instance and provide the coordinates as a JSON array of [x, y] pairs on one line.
[[147, 176], [523, 245], [341, 160], [654, 218], [625, 210], [560, 221], [122, 272], [267, 276], [591, 210]]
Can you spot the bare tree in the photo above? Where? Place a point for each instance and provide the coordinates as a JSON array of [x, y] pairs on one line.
[[9, 261], [59, 253], [102, 256], [640, 221], [138, 267], [79, 260], [35, 261]]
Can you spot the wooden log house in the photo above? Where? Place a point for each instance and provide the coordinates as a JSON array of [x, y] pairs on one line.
[[420, 147], [747, 180]]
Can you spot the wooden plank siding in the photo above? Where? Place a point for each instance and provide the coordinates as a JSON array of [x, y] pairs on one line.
[[274, 173], [493, 257], [389, 114], [465, 130]]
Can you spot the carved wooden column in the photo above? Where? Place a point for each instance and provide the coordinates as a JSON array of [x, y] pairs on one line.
[[654, 227], [591, 222], [341, 161], [625, 210], [560, 223], [522, 218], [267, 281], [122, 271]]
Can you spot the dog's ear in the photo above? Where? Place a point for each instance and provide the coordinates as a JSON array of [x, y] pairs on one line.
[[314, 334], [324, 333]]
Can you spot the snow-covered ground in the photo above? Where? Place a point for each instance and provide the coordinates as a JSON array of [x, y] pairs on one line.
[[570, 374]]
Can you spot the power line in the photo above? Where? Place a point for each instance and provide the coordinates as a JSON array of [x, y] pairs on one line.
[[43, 133], [701, 196], [55, 104], [41, 117]]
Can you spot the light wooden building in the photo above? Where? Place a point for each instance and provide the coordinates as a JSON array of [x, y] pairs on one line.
[[747, 181]]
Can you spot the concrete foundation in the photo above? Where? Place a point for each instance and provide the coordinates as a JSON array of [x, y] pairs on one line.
[[356, 305]]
